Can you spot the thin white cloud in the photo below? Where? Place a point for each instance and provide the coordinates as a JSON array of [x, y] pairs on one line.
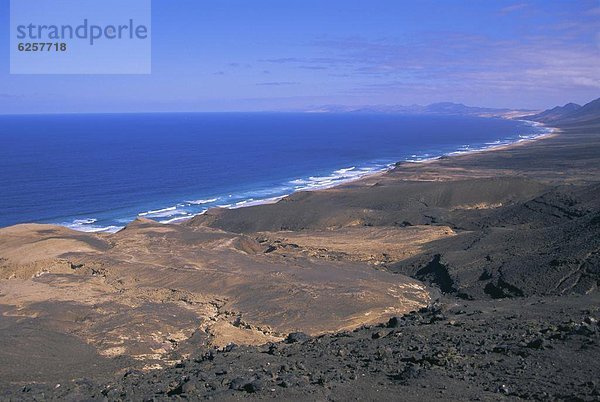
[[434, 60], [512, 8]]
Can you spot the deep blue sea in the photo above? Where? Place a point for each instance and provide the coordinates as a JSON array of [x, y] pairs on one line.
[[98, 172]]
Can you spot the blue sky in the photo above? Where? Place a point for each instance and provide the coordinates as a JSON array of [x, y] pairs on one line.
[[234, 55]]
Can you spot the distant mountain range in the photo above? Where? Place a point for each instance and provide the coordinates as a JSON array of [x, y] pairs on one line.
[[444, 108], [570, 113]]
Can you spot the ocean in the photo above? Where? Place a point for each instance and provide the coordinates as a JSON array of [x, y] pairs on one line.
[[98, 172]]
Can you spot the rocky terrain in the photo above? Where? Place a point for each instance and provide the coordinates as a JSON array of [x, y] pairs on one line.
[[152, 293], [469, 277], [532, 348]]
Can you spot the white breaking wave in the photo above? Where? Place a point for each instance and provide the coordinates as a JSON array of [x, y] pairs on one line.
[[105, 229], [164, 213], [240, 203], [87, 225], [339, 176], [344, 170], [157, 211], [87, 221], [200, 202], [252, 202]]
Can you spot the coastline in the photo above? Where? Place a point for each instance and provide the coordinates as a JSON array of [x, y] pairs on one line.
[[340, 177], [553, 132], [494, 148]]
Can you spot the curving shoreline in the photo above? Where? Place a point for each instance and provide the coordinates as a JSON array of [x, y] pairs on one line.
[[339, 177], [553, 131], [185, 208]]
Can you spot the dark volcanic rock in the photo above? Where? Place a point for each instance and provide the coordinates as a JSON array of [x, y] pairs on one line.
[[436, 273], [396, 322], [297, 337], [548, 245], [527, 348]]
